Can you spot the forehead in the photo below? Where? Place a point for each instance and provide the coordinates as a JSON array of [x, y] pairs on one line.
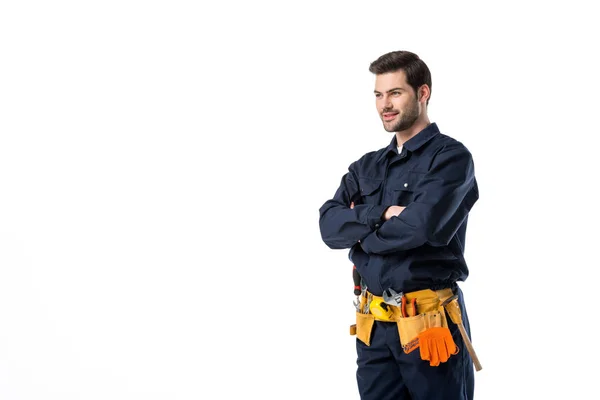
[[390, 80]]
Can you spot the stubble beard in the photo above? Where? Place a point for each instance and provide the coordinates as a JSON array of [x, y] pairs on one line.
[[407, 118]]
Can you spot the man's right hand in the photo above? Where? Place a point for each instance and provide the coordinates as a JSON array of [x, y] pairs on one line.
[[393, 211]]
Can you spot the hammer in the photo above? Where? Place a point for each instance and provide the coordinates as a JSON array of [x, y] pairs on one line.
[[453, 309]]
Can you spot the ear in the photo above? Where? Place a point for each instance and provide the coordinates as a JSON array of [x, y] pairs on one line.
[[423, 93]]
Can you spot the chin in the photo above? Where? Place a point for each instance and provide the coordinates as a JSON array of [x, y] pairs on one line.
[[389, 127]]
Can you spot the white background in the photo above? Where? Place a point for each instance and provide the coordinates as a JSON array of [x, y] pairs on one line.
[[162, 165]]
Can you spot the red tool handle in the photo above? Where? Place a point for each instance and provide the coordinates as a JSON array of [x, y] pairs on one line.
[[356, 278]]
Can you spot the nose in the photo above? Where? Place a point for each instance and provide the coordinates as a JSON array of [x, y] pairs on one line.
[[386, 102]]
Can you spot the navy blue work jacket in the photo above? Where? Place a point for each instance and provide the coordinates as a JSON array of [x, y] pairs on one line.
[[423, 247]]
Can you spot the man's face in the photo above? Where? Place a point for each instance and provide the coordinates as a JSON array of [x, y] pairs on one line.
[[396, 101]]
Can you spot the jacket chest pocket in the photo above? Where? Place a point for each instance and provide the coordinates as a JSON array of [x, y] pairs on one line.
[[403, 190], [370, 190]]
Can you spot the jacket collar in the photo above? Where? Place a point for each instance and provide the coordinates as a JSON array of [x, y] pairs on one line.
[[412, 144]]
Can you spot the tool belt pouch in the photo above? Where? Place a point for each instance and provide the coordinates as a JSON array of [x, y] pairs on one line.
[[364, 326], [431, 315]]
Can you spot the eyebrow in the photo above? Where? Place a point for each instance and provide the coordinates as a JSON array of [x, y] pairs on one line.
[[391, 90]]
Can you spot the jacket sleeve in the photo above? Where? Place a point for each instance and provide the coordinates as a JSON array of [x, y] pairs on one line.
[[442, 200], [342, 227]]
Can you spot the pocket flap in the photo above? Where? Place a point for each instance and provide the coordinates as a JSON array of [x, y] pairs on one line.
[[369, 186], [409, 181]]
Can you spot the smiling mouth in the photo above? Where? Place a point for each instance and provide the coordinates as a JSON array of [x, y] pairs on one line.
[[389, 116]]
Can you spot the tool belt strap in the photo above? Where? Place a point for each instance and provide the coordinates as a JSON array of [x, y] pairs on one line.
[[427, 300]]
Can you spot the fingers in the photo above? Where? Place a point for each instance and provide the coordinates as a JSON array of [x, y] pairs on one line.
[[435, 353], [443, 352], [351, 207], [424, 349]]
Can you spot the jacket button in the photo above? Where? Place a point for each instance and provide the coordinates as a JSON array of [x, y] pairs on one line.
[[376, 225], [406, 185]]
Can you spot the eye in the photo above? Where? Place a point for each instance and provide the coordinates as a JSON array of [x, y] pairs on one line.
[[396, 93], [377, 95]]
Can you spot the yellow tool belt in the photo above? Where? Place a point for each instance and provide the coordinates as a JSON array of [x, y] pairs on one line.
[[429, 313], [421, 320]]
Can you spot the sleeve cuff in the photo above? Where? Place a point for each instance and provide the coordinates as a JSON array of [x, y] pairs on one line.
[[375, 216]]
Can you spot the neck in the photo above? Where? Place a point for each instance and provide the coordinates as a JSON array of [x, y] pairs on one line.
[[418, 126]]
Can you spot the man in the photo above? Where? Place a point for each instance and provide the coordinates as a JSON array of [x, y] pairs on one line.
[[402, 211]]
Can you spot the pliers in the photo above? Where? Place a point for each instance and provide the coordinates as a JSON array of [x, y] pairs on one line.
[[390, 296]]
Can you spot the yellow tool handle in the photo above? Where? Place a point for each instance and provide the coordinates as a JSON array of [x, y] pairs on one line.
[[470, 348], [453, 309]]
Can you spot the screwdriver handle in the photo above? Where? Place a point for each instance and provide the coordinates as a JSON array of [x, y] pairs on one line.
[[356, 279]]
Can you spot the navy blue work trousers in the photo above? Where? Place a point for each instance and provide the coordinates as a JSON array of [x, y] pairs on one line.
[[385, 372]]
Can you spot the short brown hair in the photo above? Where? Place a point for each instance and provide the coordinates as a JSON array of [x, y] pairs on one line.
[[417, 72]]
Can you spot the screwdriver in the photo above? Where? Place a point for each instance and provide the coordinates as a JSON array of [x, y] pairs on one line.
[[356, 278], [355, 275]]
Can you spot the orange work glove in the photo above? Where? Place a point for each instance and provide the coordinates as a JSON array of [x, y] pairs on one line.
[[437, 345]]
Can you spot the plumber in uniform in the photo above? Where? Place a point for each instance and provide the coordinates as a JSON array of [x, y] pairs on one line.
[[402, 211]]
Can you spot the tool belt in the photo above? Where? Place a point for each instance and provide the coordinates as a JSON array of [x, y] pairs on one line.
[[421, 321]]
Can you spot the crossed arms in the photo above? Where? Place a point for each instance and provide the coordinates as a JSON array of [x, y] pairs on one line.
[[442, 201]]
